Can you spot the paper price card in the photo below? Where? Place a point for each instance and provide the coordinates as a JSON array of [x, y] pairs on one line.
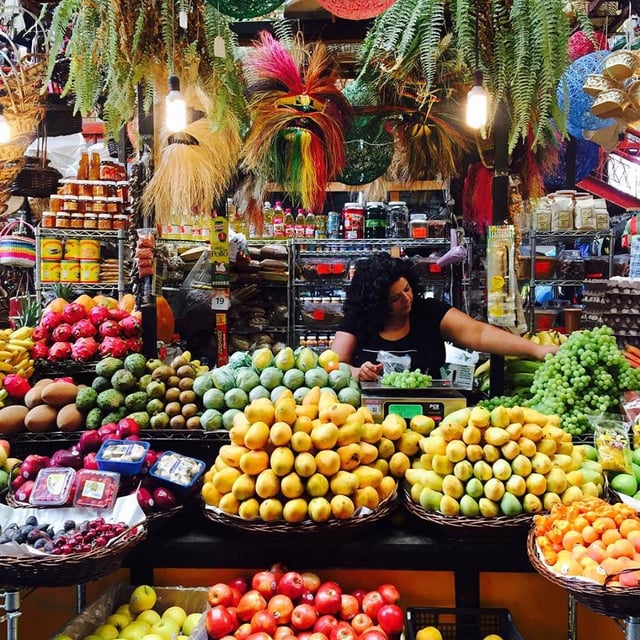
[[220, 299]]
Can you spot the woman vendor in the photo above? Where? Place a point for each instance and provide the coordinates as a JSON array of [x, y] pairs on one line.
[[383, 312]]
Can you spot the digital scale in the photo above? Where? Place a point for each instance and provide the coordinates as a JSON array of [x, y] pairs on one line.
[[435, 401]]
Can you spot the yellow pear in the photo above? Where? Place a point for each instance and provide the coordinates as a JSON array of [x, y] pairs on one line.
[[368, 452], [231, 454], [367, 476], [340, 412], [319, 509], [324, 436], [285, 410], [349, 432], [385, 447], [301, 441], [295, 510], [280, 434], [257, 435], [409, 443], [312, 396], [398, 464], [260, 409], [282, 461], [344, 483], [270, 510], [291, 486], [393, 426], [328, 462], [267, 484], [372, 432], [249, 509], [366, 497], [244, 487], [342, 507], [365, 414], [306, 411], [237, 433], [349, 456], [317, 485], [253, 462], [305, 464], [223, 480]]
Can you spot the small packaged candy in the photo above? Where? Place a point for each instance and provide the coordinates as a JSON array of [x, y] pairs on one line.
[[611, 439]]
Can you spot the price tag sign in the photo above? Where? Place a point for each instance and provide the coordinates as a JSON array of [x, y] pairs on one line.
[[220, 299]]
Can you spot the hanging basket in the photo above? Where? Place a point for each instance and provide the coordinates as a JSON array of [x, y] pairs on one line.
[[245, 8], [17, 250], [36, 180], [356, 9]]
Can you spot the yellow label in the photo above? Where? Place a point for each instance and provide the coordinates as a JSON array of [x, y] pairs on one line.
[[497, 283]]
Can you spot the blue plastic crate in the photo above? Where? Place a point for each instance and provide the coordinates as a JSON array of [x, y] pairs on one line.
[[462, 624]]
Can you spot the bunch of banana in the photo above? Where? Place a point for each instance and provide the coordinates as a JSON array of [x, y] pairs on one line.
[[548, 336], [15, 345]]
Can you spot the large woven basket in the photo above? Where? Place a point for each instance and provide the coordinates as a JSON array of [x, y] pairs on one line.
[[20, 572], [477, 528], [608, 600], [331, 527]]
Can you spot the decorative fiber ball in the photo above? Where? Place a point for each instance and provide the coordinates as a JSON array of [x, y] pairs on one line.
[[368, 150], [579, 104], [580, 44], [587, 155], [245, 8], [356, 9]]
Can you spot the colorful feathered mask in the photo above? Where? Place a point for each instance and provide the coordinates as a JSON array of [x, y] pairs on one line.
[[299, 117]]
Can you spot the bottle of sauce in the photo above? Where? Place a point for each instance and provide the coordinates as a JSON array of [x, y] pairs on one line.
[[267, 220], [309, 225], [94, 166], [83, 167], [289, 224], [320, 232], [298, 230], [278, 221]]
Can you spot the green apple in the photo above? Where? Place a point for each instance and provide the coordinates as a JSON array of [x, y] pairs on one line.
[[190, 623], [166, 628], [106, 632], [58, 636], [150, 616], [142, 598], [135, 630], [124, 610], [153, 636], [118, 620], [177, 614]]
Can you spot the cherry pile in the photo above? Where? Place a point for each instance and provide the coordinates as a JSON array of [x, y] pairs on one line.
[[86, 536]]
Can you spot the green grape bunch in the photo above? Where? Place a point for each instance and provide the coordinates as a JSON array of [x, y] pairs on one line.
[[406, 379], [584, 378]]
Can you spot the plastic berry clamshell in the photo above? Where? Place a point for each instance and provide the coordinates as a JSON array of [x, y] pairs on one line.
[[52, 487], [122, 456], [96, 489], [177, 469]]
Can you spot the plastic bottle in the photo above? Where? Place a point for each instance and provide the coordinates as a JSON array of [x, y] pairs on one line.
[[299, 225], [278, 221], [289, 224], [83, 167], [94, 166], [267, 220], [320, 231], [309, 225]]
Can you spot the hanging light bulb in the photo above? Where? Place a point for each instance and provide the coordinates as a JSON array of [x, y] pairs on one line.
[[176, 107], [5, 128], [477, 102]]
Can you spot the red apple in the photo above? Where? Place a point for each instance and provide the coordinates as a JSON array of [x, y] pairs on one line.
[[361, 622], [283, 632], [240, 583], [278, 570], [23, 492], [250, 602], [343, 631], [328, 598], [372, 603], [280, 606], [359, 594], [260, 635], [89, 441], [303, 617], [265, 583], [89, 461], [264, 621], [391, 619], [164, 498], [291, 584], [311, 581], [220, 593], [218, 622], [316, 635], [325, 624], [236, 596], [389, 593], [374, 633], [145, 500], [243, 631], [349, 606]]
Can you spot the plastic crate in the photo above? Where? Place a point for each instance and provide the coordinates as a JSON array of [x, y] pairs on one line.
[[462, 624]]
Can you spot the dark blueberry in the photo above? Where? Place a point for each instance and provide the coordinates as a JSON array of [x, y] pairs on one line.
[[69, 525], [32, 520]]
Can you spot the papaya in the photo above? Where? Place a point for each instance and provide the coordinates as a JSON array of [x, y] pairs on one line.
[[127, 302], [165, 320]]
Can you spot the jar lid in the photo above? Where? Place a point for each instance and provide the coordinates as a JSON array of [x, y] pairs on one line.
[[63, 214], [70, 198], [91, 215], [397, 203], [114, 199], [86, 198], [416, 217], [375, 204]]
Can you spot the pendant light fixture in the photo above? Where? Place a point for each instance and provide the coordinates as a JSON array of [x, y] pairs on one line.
[[477, 98], [176, 107]]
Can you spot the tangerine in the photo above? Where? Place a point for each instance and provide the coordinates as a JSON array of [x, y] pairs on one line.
[[629, 525], [571, 539], [609, 536]]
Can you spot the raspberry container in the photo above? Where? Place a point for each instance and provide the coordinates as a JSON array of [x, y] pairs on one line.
[[96, 489], [53, 487]]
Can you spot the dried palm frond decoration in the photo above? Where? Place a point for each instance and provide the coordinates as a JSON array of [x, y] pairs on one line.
[[193, 171], [299, 117]]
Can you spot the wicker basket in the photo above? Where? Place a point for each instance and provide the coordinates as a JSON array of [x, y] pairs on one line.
[[21, 572], [331, 527], [607, 599], [476, 528]]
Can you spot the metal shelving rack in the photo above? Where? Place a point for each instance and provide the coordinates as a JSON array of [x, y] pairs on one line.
[[557, 237], [101, 236]]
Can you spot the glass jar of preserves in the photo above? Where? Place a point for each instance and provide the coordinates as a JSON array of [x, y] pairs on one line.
[[99, 189], [100, 205], [55, 203], [375, 220], [105, 221], [70, 204], [63, 220], [49, 219], [85, 188], [69, 187], [122, 191], [85, 204], [115, 206], [419, 226], [90, 221], [570, 265], [77, 221], [397, 220], [120, 221]]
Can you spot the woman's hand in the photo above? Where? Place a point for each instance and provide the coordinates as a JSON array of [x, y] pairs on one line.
[[542, 350], [369, 371]]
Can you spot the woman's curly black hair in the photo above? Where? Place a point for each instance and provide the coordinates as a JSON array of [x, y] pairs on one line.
[[367, 300]]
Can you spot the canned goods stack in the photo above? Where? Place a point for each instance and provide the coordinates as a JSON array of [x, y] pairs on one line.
[[70, 260]]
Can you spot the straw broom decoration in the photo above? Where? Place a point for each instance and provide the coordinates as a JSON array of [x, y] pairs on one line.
[[299, 118], [193, 171]]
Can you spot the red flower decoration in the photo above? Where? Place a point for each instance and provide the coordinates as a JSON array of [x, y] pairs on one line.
[[356, 9], [580, 44]]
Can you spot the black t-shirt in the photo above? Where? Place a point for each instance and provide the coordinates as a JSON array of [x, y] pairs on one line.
[[423, 343]]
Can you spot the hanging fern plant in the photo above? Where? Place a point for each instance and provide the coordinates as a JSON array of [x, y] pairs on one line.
[[520, 46], [115, 46]]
